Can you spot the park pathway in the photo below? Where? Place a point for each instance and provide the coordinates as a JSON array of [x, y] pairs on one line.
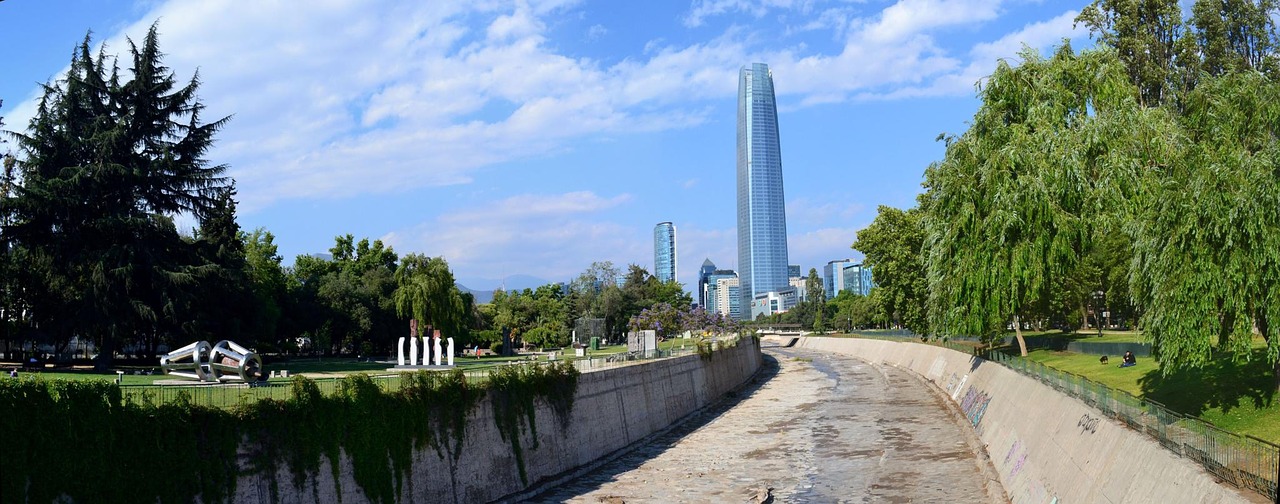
[[815, 427]]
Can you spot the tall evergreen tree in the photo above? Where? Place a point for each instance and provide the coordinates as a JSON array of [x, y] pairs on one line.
[[105, 164]]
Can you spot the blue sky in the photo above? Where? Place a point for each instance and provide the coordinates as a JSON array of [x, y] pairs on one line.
[[534, 137]]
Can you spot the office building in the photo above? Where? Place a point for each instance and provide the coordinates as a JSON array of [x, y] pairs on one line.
[[762, 220], [722, 294], [704, 274], [664, 251], [833, 276], [773, 302], [858, 279]]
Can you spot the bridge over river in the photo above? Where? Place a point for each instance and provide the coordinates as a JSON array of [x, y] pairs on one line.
[[813, 427]]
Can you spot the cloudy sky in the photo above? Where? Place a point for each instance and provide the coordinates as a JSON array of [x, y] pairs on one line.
[[536, 136]]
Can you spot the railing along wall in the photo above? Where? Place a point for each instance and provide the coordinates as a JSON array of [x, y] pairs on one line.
[[227, 395], [1242, 460]]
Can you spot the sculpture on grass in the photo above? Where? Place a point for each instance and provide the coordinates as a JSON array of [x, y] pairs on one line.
[[224, 362]]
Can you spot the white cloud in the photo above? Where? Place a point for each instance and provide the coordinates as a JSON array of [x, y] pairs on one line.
[[806, 211], [910, 17], [1037, 35], [596, 32], [350, 98], [696, 244], [548, 236], [814, 248], [984, 56]]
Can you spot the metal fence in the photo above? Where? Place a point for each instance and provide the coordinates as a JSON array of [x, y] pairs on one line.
[[228, 395], [1242, 460]]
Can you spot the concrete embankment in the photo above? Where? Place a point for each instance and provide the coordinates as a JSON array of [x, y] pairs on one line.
[[612, 409], [1046, 446]]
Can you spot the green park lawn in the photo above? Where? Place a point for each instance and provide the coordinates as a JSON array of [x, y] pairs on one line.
[[317, 367], [1236, 396]]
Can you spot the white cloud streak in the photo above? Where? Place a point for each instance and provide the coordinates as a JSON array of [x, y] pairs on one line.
[[544, 235], [349, 98]]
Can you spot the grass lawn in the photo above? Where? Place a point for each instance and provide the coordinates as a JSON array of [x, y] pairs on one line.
[[1238, 397], [1088, 336], [318, 367]]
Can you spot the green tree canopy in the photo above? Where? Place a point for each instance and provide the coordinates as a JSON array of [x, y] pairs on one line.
[[1011, 205], [105, 163], [894, 249]]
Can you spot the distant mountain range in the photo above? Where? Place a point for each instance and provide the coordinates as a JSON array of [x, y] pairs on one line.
[[482, 288]]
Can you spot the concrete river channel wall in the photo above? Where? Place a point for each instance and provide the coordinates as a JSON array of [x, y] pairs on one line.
[[612, 409], [1046, 446]]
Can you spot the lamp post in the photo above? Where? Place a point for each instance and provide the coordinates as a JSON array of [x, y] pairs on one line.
[[1098, 298]]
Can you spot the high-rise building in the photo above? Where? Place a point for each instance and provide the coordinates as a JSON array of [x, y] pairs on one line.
[[801, 285], [833, 277], [858, 278], [762, 219], [664, 251], [704, 273], [722, 294], [793, 271]]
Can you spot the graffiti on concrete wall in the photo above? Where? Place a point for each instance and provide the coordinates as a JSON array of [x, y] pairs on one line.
[[1018, 455], [955, 392], [975, 404], [951, 383], [1087, 423]]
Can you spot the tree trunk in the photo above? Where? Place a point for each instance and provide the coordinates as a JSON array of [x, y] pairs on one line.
[[106, 353], [1017, 332], [1263, 326]]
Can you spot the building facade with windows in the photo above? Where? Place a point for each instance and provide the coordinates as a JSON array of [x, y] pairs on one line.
[[858, 279], [664, 251], [722, 294], [833, 278], [704, 274], [762, 219]]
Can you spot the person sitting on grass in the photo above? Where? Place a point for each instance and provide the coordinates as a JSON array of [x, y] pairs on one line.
[[1129, 360]]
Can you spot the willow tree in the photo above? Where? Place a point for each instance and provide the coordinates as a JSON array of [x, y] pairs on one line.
[[1207, 271], [1011, 205], [425, 290]]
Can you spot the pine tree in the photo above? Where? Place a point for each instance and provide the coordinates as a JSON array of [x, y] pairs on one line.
[[105, 166]]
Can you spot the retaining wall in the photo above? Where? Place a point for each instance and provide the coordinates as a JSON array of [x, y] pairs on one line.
[[1048, 447], [612, 409]]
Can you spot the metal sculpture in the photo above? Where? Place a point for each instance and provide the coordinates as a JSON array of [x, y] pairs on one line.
[[225, 361], [230, 361], [191, 361]]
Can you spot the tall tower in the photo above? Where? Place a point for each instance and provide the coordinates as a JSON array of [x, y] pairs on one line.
[[762, 218], [704, 273], [664, 251]]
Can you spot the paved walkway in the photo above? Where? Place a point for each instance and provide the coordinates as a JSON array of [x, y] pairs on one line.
[[816, 427]]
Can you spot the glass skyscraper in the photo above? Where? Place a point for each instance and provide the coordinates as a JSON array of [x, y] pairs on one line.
[[664, 251], [762, 218]]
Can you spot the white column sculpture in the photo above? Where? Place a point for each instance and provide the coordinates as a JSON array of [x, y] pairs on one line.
[[438, 352], [400, 352], [450, 352], [413, 351]]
